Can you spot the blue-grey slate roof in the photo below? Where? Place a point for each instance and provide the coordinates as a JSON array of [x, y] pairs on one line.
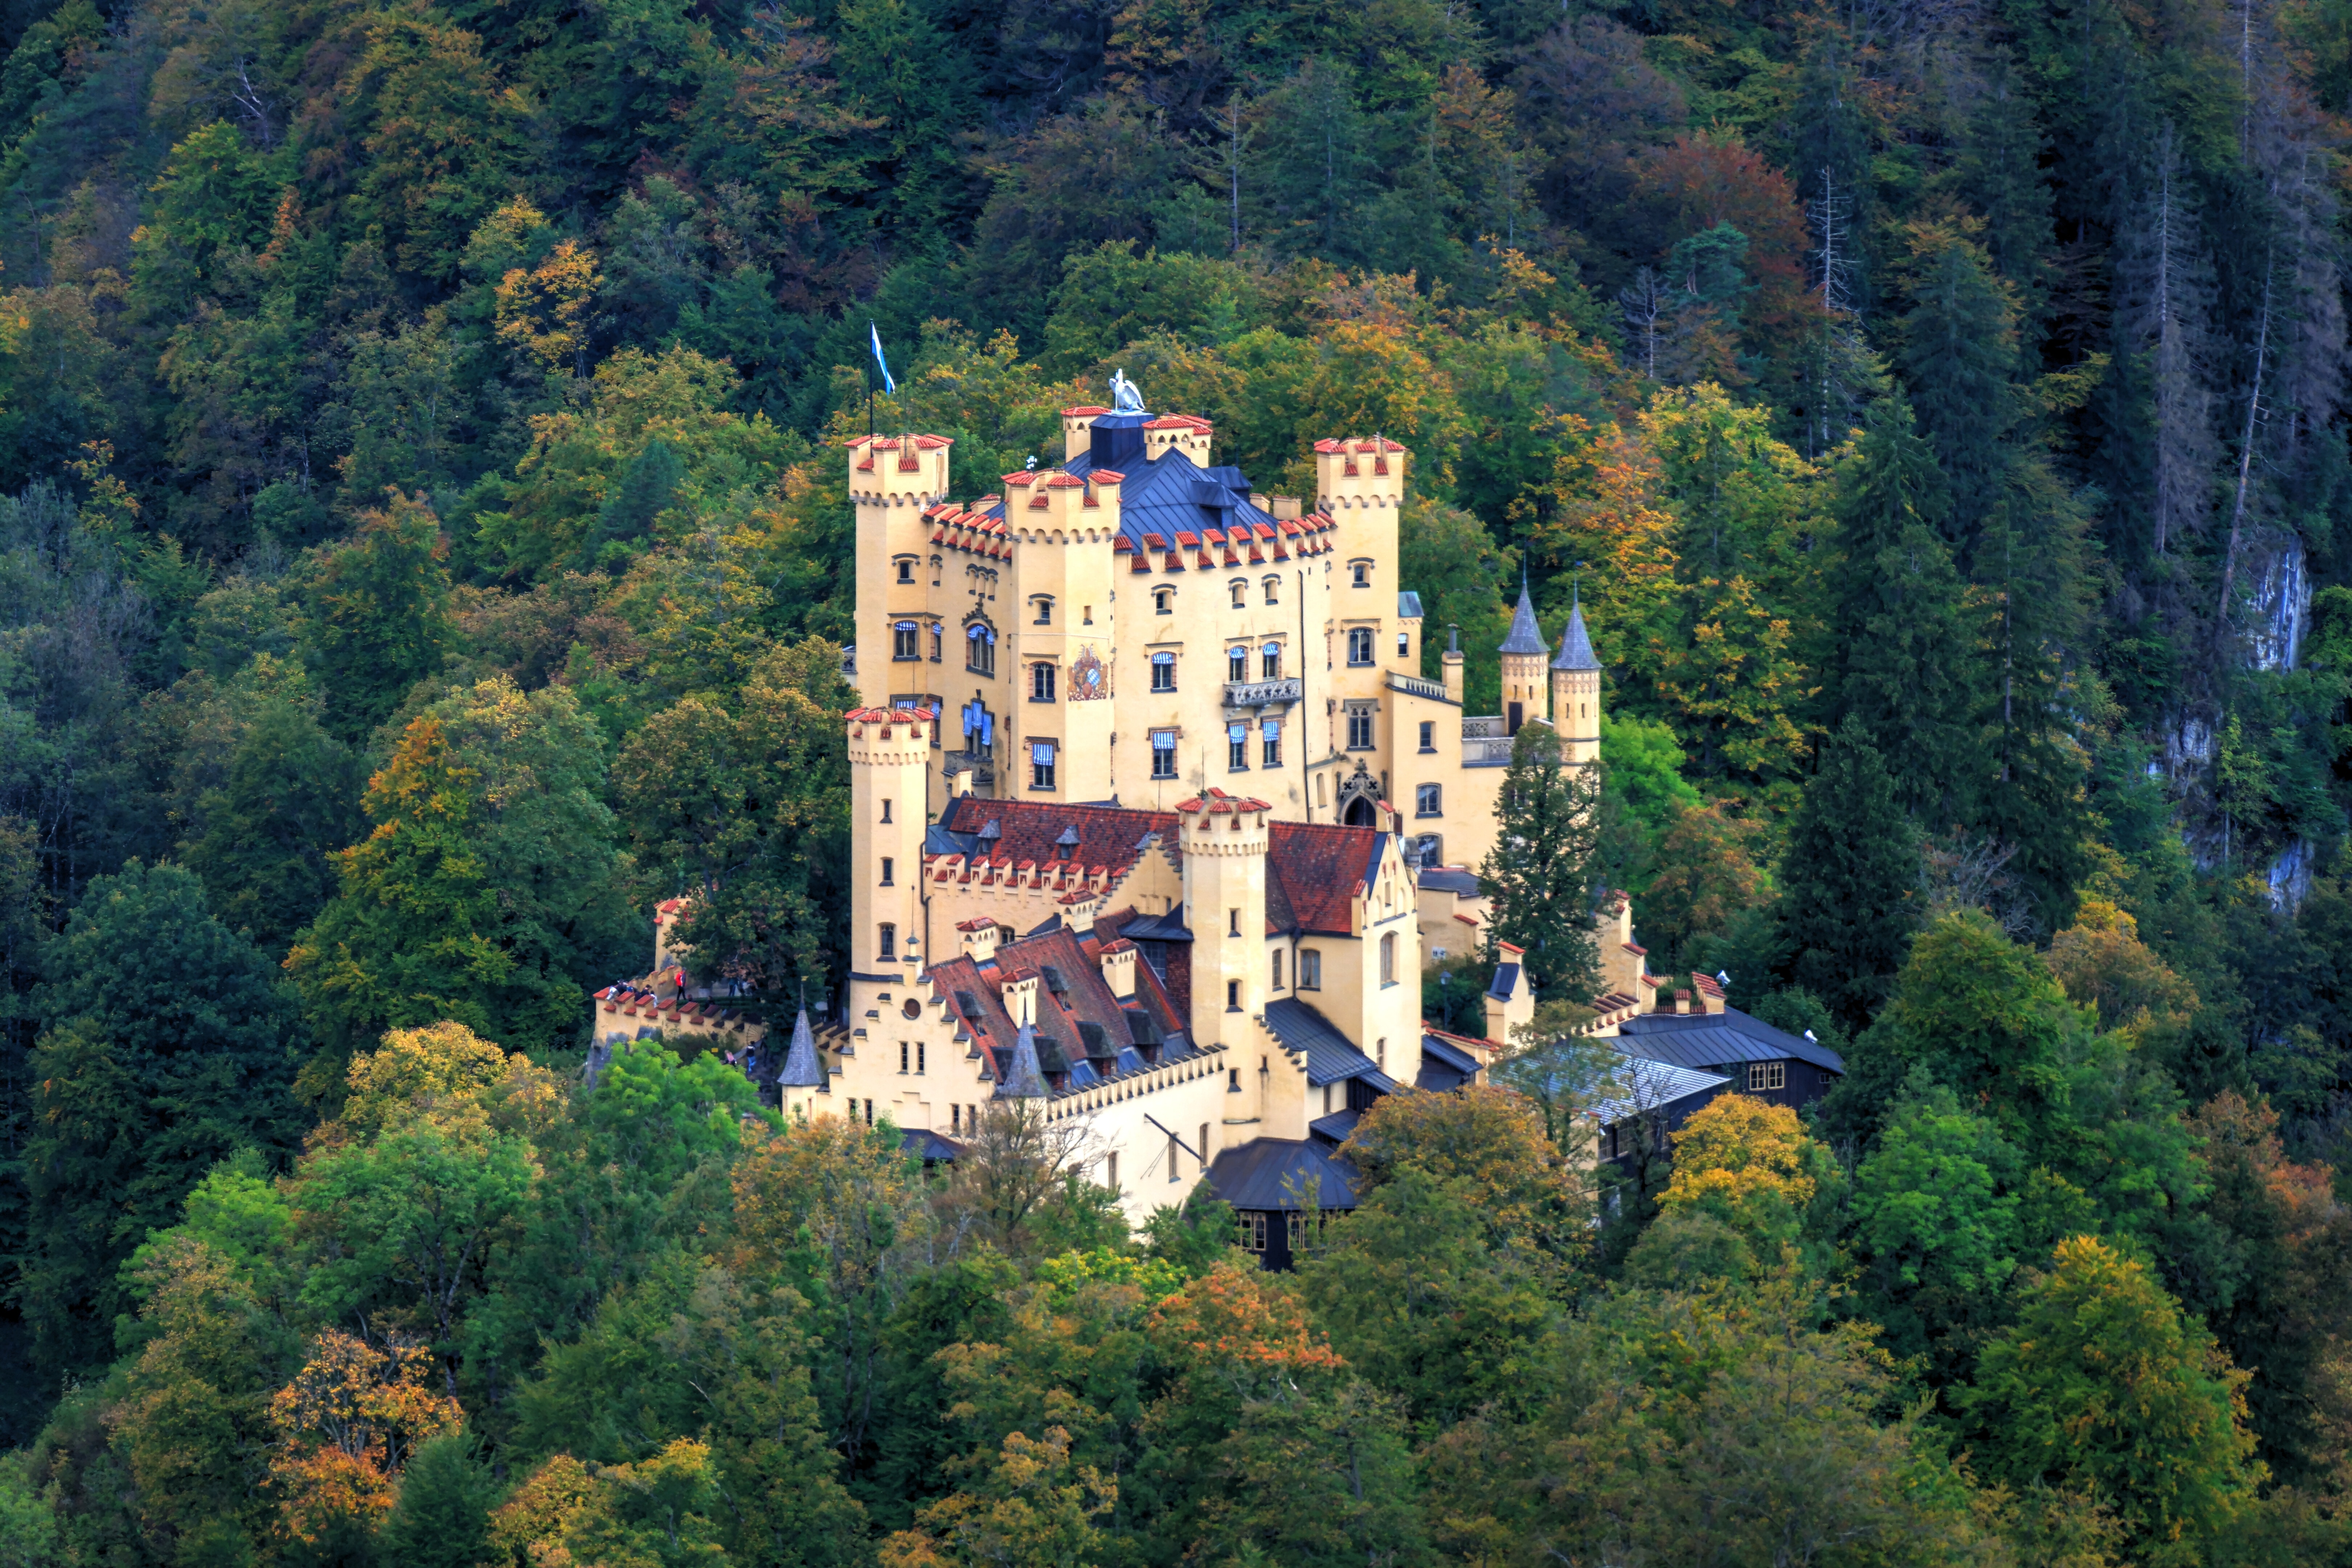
[[1165, 495], [928, 1145], [1330, 1058], [1408, 606], [1449, 1053], [1575, 645], [1714, 1040], [1507, 979], [1447, 879], [1274, 1173], [1653, 1086], [1336, 1128], [1525, 636], [802, 1069], [1024, 1078]]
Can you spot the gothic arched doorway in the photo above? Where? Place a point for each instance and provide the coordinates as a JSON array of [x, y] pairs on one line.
[[1358, 813]]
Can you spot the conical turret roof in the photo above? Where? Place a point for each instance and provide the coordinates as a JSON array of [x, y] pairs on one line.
[[1575, 647], [1526, 635], [1024, 1080], [802, 1069]]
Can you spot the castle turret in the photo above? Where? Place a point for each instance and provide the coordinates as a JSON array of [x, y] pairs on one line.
[[1224, 839], [1523, 652], [891, 480], [801, 1079], [1362, 484], [1576, 692]]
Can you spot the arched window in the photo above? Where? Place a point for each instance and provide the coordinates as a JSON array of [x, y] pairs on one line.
[[1271, 662], [1274, 590], [980, 648], [1240, 591], [1237, 664], [1387, 959], [886, 942]]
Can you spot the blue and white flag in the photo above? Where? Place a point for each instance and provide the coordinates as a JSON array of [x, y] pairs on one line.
[[881, 364]]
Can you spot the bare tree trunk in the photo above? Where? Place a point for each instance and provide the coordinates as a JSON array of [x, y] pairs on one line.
[[2246, 457]]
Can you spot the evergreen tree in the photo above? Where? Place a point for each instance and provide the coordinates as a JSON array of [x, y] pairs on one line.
[[1539, 876], [1849, 884], [1901, 659], [168, 1043], [443, 1517], [269, 832], [376, 613], [1957, 355], [645, 489]]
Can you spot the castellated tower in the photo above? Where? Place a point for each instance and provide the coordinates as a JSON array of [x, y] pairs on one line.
[[1576, 693], [1525, 686], [891, 480], [1223, 841], [1059, 618], [1362, 484], [889, 756]]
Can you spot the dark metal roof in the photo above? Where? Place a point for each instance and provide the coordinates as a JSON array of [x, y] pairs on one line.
[[1653, 1086], [1408, 606], [1447, 879], [928, 1145], [1451, 1054], [1505, 981], [1526, 637], [1165, 495], [1713, 1039], [1330, 1058], [1336, 1128], [1276, 1173]]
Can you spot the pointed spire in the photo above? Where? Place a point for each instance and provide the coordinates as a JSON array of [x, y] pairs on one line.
[[801, 1068], [1526, 637], [1024, 1080], [1575, 647]]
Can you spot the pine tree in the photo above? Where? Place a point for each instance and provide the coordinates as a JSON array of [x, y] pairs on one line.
[[1849, 882], [2001, 173], [1959, 353], [1539, 876], [443, 1517], [1902, 658], [2166, 302]]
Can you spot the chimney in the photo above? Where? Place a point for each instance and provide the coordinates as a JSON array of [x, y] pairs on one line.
[[1682, 1001], [1118, 969], [1453, 665], [979, 938]]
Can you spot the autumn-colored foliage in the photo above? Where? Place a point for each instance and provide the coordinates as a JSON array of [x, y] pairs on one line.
[[347, 1425]]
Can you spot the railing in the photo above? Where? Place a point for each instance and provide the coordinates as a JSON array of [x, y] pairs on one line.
[[1261, 693], [1480, 728], [1414, 686], [1485, 750]]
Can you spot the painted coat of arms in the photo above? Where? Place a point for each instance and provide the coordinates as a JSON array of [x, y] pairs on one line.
[[1089, 681]]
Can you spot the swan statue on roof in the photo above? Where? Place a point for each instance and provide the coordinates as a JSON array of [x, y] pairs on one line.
[[1126, 397]]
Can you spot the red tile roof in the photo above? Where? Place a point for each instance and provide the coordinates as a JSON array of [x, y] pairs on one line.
[[1314, 871]]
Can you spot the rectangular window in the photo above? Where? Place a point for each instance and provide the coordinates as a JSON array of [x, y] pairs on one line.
[[1404, 647], [1237, 665], [903, 1049], [1765, 1077], [919, 1048], [1310, 969], [886, 870], [1163, 753], [1277, 969], [1428, 736], [1237, 747], [1203, 1148], [906, 569], [937, 637], [1270, 729], [888, 944], [955, 1118], [869, 1113], [1174, 1149], [1359, 729], [903, 643], [1233, 996], [1041, 683], [1360, 644], [1252, 1232], [1111, 1172], [1163, 672], [1270, 662], [1044, 612], [1427, 801], [1040, 764]]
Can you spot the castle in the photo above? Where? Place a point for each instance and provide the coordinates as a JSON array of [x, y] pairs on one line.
[[1167, 865]]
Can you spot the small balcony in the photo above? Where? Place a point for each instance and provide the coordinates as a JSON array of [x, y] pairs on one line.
[[1485, 742], [1262, 693], [981, 765]]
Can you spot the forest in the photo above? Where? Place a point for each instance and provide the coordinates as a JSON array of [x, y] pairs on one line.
[[424, 545]]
